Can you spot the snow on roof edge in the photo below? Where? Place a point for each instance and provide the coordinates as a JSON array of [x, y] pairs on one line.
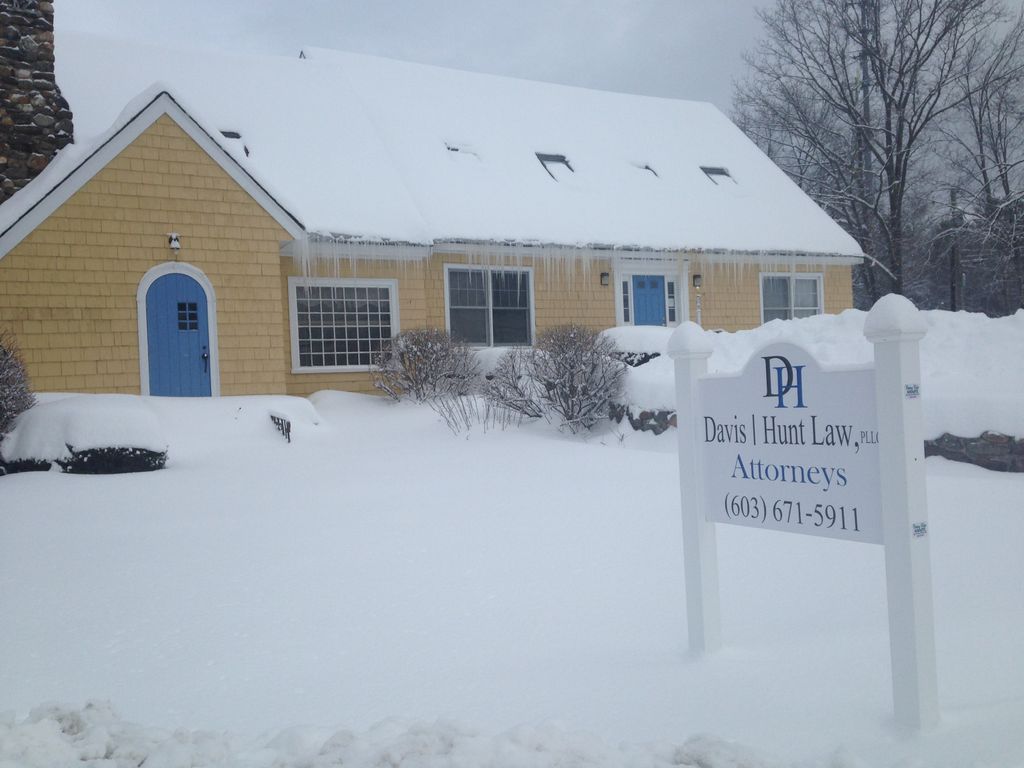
[[440, 244]]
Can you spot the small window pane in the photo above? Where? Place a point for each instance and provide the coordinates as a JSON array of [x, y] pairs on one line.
[[466, 288], [469, 325], [510, 289], [805, 293], [511, 326], [188, 316], [776, 293]]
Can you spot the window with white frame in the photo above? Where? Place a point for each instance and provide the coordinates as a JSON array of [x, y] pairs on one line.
[[340, 323], [490, 306], [784, 297]]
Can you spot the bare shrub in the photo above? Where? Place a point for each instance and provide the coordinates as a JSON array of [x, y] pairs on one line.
[[570, 375], [424, 364], [462, 412], [513, 386], [577, 376], [15, 393]]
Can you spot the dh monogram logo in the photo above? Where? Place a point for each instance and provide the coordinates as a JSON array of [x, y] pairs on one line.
[[781, 379]]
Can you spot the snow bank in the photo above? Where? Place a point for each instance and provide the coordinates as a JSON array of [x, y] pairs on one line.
[[972, 366], [192, 426], [379, 567], [50, 430], [55, 736]]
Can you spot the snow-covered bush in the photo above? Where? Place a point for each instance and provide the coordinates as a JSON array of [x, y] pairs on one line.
[[423, 364], [15, 394], [87, 434], [570, 375]]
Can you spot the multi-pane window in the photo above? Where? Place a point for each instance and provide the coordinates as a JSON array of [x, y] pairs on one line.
[[341, 323], [625, 301], [489, 306], [784, 297], [188, 316]]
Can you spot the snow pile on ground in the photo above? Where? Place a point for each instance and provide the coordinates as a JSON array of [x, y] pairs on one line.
[[59, 423], [972, 366], [524, 582], [94, 735], [52, 429]]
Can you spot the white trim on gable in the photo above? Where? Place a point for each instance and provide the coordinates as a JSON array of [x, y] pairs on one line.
[[161, 104], [169, 268]]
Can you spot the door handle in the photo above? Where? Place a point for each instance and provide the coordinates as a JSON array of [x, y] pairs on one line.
[[206, 361]]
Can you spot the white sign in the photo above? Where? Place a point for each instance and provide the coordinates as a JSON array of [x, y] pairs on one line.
[[787, 446]]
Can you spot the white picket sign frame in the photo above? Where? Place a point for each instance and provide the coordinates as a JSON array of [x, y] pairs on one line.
[[895, 328]]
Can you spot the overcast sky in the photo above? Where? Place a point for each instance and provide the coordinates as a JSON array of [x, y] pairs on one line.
[[681, 48]]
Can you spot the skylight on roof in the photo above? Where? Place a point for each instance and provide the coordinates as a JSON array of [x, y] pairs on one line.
[[236, 136], [554, 164], [715, 172]]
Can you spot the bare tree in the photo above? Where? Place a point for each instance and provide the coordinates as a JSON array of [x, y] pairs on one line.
[[986, 155], [848, 97]]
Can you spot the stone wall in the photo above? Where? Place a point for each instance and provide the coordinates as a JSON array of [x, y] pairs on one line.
[[990, 450], [35, 120]]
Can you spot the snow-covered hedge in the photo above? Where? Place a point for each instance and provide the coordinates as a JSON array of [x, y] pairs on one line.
[[95, 434]]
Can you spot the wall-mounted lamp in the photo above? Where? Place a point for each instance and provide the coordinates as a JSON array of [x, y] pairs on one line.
[[698, 281], [605, 278], [173, 241]]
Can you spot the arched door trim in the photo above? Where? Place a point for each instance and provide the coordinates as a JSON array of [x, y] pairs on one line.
[[169, 268]]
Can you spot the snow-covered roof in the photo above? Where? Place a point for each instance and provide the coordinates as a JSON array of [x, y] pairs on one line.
[[376, 149], [79, 162]]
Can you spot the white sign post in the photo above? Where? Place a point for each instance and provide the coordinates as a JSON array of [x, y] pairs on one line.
[[789, 446]]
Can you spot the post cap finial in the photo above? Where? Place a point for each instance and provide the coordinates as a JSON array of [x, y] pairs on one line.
[[894, 318], [689, 340]]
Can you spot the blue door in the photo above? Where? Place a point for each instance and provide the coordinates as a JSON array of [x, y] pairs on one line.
[[177, 324], [648, 300]]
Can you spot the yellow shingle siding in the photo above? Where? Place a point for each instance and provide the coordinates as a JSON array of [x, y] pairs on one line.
[[563, 294], [731, 293], [68, 290]]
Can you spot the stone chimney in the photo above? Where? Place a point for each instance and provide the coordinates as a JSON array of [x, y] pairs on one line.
[[35, 120]]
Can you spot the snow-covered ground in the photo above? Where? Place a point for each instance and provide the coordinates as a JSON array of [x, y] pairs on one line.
[[382, 592]]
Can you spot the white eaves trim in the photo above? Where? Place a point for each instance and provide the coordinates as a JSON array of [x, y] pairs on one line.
[[162, 103]]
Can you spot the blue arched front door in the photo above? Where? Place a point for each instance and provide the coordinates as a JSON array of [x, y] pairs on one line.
[[178, 330]]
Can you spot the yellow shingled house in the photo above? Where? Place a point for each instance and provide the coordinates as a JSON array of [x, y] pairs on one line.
[[246, 225]]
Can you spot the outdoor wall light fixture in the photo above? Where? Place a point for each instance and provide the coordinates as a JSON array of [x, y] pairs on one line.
[[697, 281], [605, 277], [173, 241]]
